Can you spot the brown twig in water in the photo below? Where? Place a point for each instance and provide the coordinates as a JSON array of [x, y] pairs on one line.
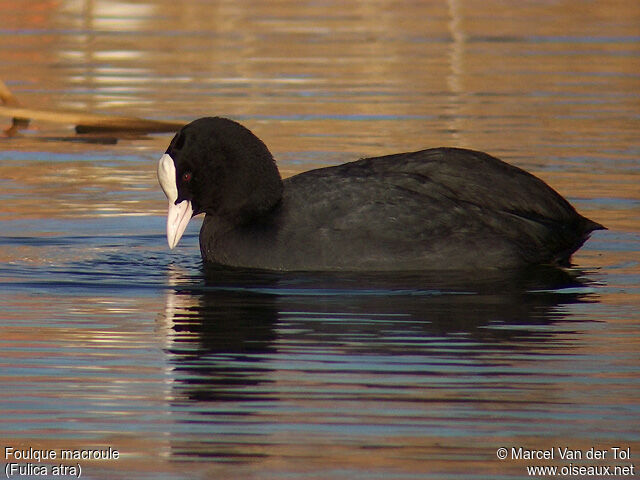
[[9, 99], [84, 122]]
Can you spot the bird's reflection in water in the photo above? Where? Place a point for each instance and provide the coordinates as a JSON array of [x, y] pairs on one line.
[[209, 332], [231, 333]]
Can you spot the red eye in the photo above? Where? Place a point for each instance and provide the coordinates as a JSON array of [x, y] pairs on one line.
[[186, 176]]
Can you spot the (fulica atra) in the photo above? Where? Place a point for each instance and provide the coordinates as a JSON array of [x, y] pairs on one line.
[[441, 208]]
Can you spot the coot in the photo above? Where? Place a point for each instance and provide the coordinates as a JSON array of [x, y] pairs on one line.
[[441, 208]]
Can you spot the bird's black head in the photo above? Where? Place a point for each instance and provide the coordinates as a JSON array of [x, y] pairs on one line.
[[216, 166]]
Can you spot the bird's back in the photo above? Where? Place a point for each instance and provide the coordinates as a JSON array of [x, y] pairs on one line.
[[440, 208]]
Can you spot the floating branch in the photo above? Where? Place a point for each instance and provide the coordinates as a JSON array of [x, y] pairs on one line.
[[90, 122], [83, 122]]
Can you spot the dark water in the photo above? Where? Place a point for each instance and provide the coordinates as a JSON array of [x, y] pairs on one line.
[[108, 339]]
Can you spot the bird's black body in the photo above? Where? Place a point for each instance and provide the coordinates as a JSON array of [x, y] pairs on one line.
[[435, 209]]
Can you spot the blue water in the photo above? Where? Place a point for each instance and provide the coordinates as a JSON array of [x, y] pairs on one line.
[[117, 340]]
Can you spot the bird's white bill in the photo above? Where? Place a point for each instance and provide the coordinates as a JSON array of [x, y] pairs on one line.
[[179, 215], [177, 220]]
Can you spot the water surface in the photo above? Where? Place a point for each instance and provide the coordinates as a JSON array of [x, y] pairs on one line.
[[108, 339]]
